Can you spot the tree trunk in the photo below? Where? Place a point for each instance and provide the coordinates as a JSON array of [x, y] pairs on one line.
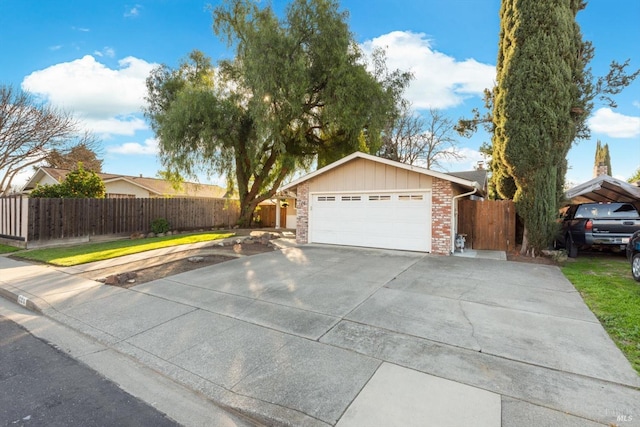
[[526, 250], [247, 208]]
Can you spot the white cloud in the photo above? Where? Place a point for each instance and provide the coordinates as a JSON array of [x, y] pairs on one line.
[[96, 94], [440, 81], [614, 125], [150, 146], [133, 12], [81, 29], [636, 104], [121, 125], [468, 160], [56, 47], [106, 51]]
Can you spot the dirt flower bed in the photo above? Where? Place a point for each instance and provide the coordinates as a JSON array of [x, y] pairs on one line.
[[135, 273]]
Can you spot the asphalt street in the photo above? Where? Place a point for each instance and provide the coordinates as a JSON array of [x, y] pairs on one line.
[[42, 386]]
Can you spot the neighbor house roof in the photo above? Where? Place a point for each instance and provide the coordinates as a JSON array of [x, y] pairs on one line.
[[155, 186], [359, 155], [603, 188], [481, 176]]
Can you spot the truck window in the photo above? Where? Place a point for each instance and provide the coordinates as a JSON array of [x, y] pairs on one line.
[[607, 210], [587, 211], [623, 210]]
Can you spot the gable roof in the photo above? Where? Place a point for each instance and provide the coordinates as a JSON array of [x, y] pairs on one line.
[[603, 188], [481, 176], [360, 155], [155, 186]]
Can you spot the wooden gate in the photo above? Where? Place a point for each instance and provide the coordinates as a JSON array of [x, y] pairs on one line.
[[268, 216], [488, 224]]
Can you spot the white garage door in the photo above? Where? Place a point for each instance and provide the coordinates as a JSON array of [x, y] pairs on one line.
[[378, 220]]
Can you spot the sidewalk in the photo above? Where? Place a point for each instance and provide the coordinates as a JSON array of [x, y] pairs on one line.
[[324, 336]]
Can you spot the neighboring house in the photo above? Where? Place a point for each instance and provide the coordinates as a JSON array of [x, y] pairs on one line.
[[124, 186], [363, 200]]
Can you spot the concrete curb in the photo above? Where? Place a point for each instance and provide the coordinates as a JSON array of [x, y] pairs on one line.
[[21, 299]]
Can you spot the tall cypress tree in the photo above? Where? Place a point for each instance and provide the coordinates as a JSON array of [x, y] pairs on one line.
[[602, 157], [538, 108]]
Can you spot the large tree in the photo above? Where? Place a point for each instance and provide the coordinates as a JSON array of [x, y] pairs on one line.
[[296, 88], [84, 150], [537, 105], [544, 95], [29, 130]]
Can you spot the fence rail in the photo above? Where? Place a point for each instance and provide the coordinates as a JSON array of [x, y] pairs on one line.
[[51, 219]]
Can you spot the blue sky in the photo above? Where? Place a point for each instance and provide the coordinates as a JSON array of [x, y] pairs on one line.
[[91, 58]]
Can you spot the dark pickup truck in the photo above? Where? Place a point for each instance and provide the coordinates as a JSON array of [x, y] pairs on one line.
[[598, 225]]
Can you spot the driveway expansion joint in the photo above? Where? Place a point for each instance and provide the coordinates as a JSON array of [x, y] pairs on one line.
[[473, 329]]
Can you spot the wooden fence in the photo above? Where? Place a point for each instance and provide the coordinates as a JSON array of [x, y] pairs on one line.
[[53, 219], [488, 224], [13, 217]]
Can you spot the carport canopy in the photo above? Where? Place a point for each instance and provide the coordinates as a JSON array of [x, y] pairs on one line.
[[604, 188]]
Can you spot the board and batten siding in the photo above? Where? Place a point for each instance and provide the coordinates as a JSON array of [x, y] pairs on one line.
[[365, 175]]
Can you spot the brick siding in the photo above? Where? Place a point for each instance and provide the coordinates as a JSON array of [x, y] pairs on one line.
[[302, 213], [442, 194]]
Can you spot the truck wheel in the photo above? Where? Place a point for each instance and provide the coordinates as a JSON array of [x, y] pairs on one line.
[[572, 249], [635, 267]]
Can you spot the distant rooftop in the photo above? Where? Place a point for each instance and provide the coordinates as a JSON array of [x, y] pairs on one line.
[[158, 186], [480, 176]]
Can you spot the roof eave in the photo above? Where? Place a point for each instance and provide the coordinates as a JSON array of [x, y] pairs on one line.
[[358, 154]]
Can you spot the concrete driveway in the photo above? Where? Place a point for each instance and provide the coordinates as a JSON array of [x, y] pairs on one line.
[[318, 322], [320, 335]]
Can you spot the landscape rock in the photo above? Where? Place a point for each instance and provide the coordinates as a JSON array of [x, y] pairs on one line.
[[111, 280], [129, 275], [119, 279], [151, 235], [195, 259]]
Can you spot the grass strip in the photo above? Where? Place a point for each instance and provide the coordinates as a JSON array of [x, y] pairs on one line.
[[608, 289], [90, 252], [6, 249]]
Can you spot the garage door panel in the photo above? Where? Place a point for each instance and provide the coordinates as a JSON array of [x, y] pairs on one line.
[[386, 220]]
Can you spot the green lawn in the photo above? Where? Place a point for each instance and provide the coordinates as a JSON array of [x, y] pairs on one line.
[[6, 249], [607, 287], [82, 254]]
